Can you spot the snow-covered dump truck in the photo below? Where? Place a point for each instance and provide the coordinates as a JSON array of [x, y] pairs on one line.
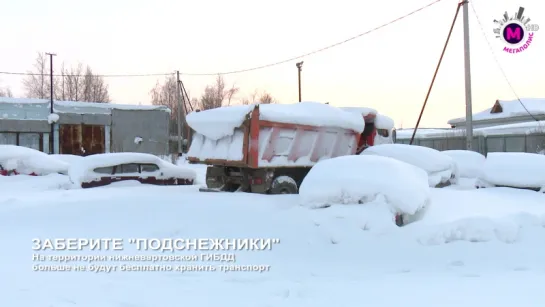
[[269, 148]]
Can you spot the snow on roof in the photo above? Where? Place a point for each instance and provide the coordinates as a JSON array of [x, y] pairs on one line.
[[510, 108], [72, 106], [221, 122], [421, 132], [519, 128]]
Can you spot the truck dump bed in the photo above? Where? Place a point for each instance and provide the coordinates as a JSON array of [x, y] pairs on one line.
[[275, 135]]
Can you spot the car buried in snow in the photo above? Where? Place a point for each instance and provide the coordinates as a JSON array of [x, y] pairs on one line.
[[20, 160], [103, 169]]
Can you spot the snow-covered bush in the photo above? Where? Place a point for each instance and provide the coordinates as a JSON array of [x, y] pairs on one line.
[[441, 168], [470, 163], [366, 179], [513, 169]]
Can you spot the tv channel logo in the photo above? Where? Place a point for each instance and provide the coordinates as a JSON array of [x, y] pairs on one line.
[[515, 31]]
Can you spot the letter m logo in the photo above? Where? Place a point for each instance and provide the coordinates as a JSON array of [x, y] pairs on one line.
[[510, 34]]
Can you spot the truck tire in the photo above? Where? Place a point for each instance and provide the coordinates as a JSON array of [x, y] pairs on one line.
[[283, 185]]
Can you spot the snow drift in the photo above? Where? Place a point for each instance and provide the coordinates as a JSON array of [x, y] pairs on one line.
[[441, 168], [470, 163], [366, 179], [27, 161], [513, 169]]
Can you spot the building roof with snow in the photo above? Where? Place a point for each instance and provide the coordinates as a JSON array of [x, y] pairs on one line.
[[507, 112], [39, 109]]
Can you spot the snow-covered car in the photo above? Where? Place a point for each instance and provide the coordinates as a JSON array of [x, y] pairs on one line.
[[442, 169], [16, 160], [103, 169], [398, 189], [470, 163], [70, 159], [513, 169]]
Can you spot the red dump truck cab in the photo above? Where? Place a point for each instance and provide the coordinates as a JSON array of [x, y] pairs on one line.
[[270, 148]]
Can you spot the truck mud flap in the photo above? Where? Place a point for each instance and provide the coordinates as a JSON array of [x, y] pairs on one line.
[[240, 189], [210, 190]]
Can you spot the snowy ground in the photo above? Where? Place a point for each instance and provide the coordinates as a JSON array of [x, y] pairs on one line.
[[472, 248]]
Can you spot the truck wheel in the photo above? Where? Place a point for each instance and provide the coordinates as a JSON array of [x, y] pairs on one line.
[[283, 185]]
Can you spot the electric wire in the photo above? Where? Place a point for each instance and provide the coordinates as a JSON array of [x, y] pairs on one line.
[[317, 50], [252, 68]]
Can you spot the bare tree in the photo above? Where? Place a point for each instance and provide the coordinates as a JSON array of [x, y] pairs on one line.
[[251, 99], [217, 95], [6, 92], [35, 84], [165, 94], [256, 97], [266, 98], [77, 85], [94, 88], [73, 84]]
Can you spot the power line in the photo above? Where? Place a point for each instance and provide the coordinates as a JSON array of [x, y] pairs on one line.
[[315, 51], [498, 62], [78, 75], [247, 69]]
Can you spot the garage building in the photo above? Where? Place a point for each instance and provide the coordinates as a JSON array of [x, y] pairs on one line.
[[83, 128]]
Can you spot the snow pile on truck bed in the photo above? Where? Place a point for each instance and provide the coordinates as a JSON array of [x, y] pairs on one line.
[[470, 163], [362, 111], [440, 167], [27, 160], [366, 179], [83, 170], [221, 122], [514, 169], [228, 148], [384, 122], [312, 114], [381, 121]]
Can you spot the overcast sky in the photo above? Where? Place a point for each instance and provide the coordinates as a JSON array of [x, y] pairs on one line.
[[389, 69]]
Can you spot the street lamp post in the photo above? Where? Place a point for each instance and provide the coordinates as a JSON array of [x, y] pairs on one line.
[[299, 68]]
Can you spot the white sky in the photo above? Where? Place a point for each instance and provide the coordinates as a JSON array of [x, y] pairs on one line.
[[389, 70]]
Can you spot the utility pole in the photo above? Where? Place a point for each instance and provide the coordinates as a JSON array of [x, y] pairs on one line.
[[467, 69], [51, 139], [299, 68], [180, 111]]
